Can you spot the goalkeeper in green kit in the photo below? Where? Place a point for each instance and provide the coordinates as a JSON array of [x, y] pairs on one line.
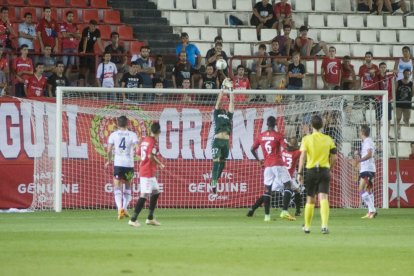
[[222, 129]]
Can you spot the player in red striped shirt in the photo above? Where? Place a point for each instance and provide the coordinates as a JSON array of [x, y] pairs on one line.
[[271, 143], [35, 85], [148, 151]]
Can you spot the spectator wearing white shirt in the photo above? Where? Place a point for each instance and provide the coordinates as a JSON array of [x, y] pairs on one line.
[[105, 74], [27, 32]]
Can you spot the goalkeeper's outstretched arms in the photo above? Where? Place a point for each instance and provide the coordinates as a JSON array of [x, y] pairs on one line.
[[218, 102]]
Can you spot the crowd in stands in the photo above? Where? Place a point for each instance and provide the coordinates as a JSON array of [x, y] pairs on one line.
[[68, 51]]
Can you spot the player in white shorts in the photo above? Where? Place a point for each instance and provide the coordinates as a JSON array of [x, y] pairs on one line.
[[122, 142]]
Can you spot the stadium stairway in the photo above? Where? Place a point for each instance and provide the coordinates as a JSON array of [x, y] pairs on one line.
[[148, 25]]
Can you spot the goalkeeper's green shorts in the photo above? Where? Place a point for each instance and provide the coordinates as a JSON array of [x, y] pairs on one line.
[[220, 149]]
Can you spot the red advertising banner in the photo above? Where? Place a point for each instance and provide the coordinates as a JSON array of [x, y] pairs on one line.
[[184, 146]]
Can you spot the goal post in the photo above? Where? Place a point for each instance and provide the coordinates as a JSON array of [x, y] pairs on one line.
[[186, 142]]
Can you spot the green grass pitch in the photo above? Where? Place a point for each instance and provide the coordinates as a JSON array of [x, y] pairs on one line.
[[205, 242]]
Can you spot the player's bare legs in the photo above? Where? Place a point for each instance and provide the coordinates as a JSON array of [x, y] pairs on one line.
[[118, 198], [367, 196]]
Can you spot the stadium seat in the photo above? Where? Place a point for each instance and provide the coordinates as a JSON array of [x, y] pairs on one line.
[[224, 5], [322, 5], [105, 30], [184, 4], [178, 18], [208, 34], [57, 3], [349, 36], [230, 34], [314, 34], [36, 3], [357, 64], [310, 67], [89, 14], [368, 36], [111, 17], [203, 47], [242, 49], [165, 5], [316, 20], [396, 51], [335, 21], [375, 22], [404, 149], [244, 5], [343, 5], [360, 50], [395, 22], [329, 35], [65, 10], [410, 22], [193, 33], [216, 19], [342, 50], [406, 36], [303, 6], [12, 15], [355, 21], [381, 50], [388, 36], [204, 5], [32, 10], [299, 19], [99, 4], [268, 34], [135, 46], [125, 32], [196, 19], [78, 3], [15, 3], [248, 35], [226, 48]]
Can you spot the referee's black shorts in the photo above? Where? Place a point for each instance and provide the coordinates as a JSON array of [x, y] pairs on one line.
[[317, 181]]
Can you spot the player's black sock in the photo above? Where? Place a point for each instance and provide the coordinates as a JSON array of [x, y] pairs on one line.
[[266, 199], [221, 168], [152, 205], [258, 203], [215, 172], [138, 207], [298, 201], [287, 195]]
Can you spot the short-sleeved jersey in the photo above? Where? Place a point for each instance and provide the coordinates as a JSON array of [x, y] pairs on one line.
[[56, 81], [291, 159], [369, 81], [148, 147], [281, 9], [318, 147], [48, 31], [123, 142], [367, 165], [263, 11], [116, 53], [181, 71], [209, 82], [271, 142], [222, 121], [332, 69], [20, 64], [69, 42], [28, 29], [91, 38], [347, 72], [296, 69], [106, 74], [132, 81], [35, 86], [192, 53], [240, 84]]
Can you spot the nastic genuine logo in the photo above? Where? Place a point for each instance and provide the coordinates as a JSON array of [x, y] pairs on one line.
[[103, 126]]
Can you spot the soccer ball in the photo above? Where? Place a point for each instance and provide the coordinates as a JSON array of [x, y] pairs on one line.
[[221, 64]]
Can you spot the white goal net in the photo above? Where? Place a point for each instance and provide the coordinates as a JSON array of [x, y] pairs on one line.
[[71, 174]]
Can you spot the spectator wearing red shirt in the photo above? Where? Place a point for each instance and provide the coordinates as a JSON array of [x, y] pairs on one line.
[[331, 70], [23, 69], [306, 46], [35, 85], [411, 156], [240, 82], [283, 14], [5, 29], [47, 31], [386, 78], [271, 143], [148, 152], [70, 41], [368, 74], [348, 76], [4, 63]]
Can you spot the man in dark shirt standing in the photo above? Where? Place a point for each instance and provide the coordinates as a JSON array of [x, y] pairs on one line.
[[57, 79], [263, 17], [118, 56]]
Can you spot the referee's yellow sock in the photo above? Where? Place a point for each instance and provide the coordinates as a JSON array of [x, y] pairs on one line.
[[324, 212], [309, 208]]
